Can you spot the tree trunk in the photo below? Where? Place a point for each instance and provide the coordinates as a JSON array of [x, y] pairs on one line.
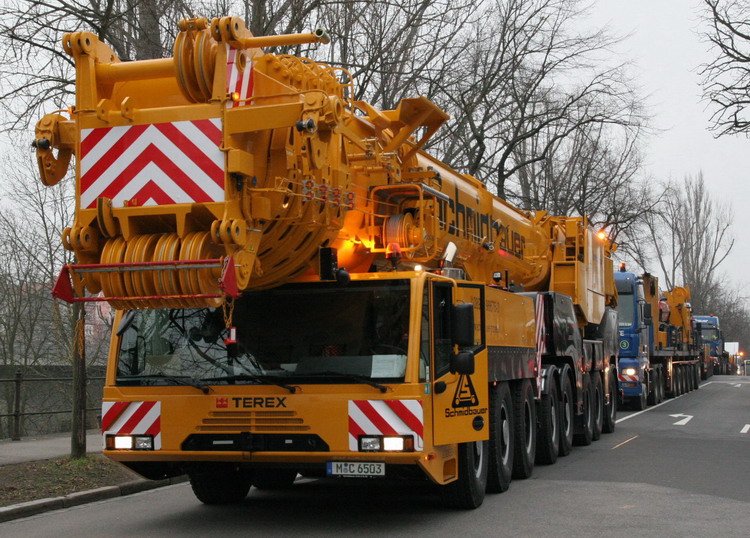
[[78, 421]]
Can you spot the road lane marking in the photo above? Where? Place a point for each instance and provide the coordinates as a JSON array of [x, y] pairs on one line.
[[657, 405], [738, 384], [682, 422], [745, 429], [628, 440]]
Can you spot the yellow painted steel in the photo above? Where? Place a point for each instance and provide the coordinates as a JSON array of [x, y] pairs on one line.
[[304, 167]]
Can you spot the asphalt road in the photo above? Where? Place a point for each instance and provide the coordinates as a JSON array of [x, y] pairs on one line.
[[678, 469]]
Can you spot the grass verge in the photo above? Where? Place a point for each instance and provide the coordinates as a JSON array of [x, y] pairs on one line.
[[30, 481]]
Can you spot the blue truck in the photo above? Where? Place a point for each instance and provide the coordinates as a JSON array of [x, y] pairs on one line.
[[659, 354], [709, 334]]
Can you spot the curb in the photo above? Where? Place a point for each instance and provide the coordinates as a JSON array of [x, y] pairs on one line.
[[31, 508]]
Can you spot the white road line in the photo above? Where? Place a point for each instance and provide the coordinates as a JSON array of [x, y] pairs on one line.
[[626, 441], [738, 384], [745, 429], [658, 405], [685, 420]]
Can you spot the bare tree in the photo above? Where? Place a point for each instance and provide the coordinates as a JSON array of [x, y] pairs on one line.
[[688, 238], [531, 75], [726, 78]]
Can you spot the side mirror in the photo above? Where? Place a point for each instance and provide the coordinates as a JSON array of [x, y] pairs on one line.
[[647, 314], [462, 363], [462, 324]]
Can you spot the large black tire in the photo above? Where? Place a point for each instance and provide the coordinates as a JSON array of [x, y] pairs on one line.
[[697, 376], [548, 426], [680, 381], [598, 404], [610, 409], [500, 458], [640, 402], [225, 486], [653, 396], [567, 416], [467, 492], [524, 426], [659, 386], [274, 478], [584, 432]]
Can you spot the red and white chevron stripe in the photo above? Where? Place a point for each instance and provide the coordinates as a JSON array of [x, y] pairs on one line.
[[132, 418], [386, 417], [238, 81], [153, 164], [628, 378]]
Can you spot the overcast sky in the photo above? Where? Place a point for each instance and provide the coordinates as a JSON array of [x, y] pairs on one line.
[[666, 51]]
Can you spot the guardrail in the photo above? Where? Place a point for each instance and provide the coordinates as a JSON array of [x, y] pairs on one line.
[[18, 381]]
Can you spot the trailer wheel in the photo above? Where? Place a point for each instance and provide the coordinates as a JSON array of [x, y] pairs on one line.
[[274, 478], [640, 402], [653, 396], [220, 486], [697, 375], [598, 405], [659, 386], [584, 433], [610, 409], [467, 492], [680, 381], [567, 416], [524, 423], [548, 426], [501, 440]]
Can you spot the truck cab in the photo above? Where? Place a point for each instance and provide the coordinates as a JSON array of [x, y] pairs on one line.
[[636, 333], [709, 331]]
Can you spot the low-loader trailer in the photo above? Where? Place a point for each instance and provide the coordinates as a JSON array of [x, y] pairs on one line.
[[301, 288]]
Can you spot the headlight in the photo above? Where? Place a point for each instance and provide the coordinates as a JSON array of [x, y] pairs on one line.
[[143, 442], [630, 371], [393, 443], [370, 444], [123, 442], [129, 442], [389, 443]]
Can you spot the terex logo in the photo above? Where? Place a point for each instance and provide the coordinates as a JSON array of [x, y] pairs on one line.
[[258, 401], [222, 402]]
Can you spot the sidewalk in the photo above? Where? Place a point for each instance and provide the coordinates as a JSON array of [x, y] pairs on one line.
[[45, 447]]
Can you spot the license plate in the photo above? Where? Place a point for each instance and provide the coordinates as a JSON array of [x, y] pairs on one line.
[[355, 468]]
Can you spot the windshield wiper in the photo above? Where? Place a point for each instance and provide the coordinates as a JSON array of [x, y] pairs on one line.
[[353, 377], [180, 380], [255, 377]]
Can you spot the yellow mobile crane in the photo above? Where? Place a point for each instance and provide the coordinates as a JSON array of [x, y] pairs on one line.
[[300, 288]]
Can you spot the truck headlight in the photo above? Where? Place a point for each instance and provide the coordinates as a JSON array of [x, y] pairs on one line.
[[123, 442], [386, 443], [129, 442], [393, 443], [370, 444], [630, 371]]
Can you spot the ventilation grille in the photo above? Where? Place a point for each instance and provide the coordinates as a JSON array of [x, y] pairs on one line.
[[253, 421]]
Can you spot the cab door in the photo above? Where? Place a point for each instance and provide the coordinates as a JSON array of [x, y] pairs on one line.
[[460, 402]]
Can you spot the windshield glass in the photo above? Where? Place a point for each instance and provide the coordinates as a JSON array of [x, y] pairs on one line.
[[302, 333], [709, 335], [625, 305]]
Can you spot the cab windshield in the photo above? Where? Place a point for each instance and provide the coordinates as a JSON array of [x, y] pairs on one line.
[[625, 310], [299, 334], [709, 335]]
